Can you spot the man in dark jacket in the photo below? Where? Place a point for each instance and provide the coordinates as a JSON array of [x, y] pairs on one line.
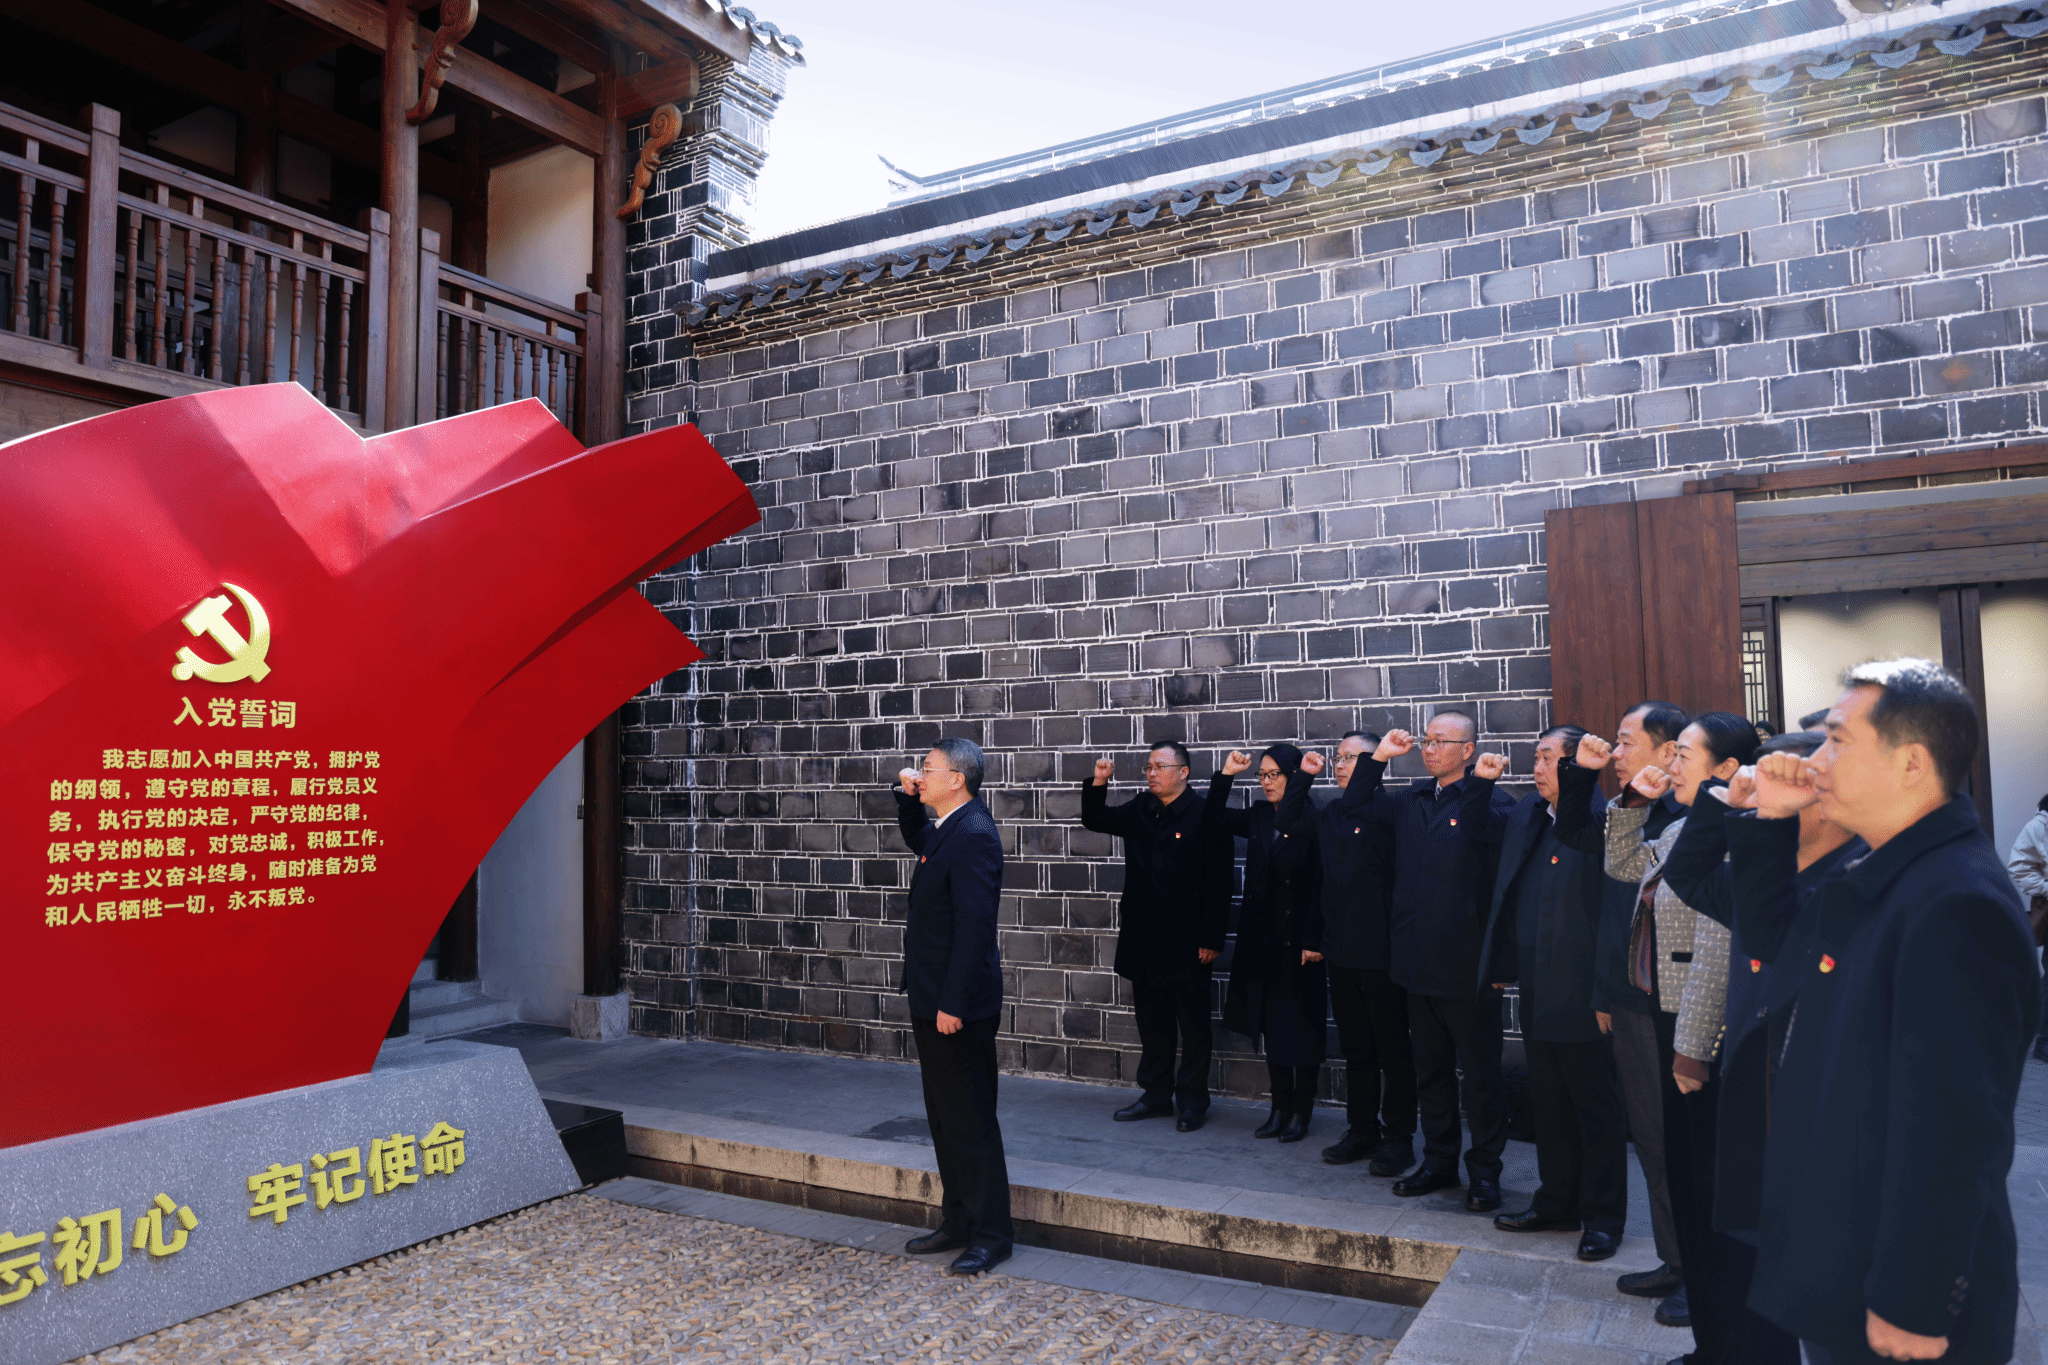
[[1542, 931], [954, 977], [1447, 832], [1170, 925], [1371, 1012], [1887, 1230], [1646, 737]]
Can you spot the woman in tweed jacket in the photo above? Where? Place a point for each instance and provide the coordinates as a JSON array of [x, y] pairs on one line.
[[1680, 956]]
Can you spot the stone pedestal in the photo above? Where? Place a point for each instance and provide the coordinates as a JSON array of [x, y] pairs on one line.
[[191, 1212], [598, 1018]]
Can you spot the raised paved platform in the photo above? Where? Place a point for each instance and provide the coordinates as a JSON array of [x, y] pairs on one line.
[[847, 1136]]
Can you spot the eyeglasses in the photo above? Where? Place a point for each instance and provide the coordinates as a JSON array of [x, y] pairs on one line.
[[928, 770], [1272, 777], [1164, 767], [1443, 743]]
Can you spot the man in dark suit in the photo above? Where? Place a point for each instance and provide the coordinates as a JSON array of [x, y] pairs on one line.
[[1447, 831], [954, 978], [1542, 933], [1170, 924], [1370, 1011], [1887, 1230], [1646, 737]]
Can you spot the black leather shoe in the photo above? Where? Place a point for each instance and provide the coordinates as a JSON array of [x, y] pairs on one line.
[[941, 1240], [1675, 1311], [1392, 1158], [1353, 1146], [1423, 1180], [1189, 1120], [974, 1260], [1597, 1246], [1651, 1284], [1531, 1221], [1296, 1129], [1143, 1109], [1275, 1121], [1482, 1196]]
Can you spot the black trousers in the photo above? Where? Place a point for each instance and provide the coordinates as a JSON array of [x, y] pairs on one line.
[[1453, 1037], [1581, 1143], [1293, 1087], [1173, 1016], [1718, 1268], [959, 1072], [1379, 1060]]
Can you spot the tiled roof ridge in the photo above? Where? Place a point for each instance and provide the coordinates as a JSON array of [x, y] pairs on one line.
[[1573, 34], [760, 30], [1887, 45]]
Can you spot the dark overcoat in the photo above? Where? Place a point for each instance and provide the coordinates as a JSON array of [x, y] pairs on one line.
[[1280, 917], [1556, 971], [1176, 895], [1611, 989], [1892, 1118], [950, 957], [1358, 874]]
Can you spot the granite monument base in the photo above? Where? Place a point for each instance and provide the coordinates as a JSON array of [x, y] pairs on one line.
[[110, 1234]]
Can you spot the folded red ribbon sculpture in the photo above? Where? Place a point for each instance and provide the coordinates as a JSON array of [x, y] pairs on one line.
[[268, 693]]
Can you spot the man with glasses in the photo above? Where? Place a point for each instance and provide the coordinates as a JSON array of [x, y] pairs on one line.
[[1447, 832], [954, 977], [1170, 924], [1370, 1010]]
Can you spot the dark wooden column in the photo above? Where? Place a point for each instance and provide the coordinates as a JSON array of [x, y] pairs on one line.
[[1962, 653], [473, 207], [256, 121], [457, 959], [401, 199], [604, 857], [1692, 601]]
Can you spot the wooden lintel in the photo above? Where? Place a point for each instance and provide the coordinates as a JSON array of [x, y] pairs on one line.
[[613, 20], [170, 63], [1871, 471], [671, 83], [703, 24], [362, 23], [294, 50], [550, 31]]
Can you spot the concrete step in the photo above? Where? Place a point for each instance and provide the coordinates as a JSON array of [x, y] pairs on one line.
[[470, 1012], [425, 971], [430, 994]]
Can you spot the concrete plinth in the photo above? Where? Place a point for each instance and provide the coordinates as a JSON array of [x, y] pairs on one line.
[[177, 1216], [600, 1018]]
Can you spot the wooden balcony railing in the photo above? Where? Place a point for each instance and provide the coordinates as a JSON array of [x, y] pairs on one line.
[[128, 271]]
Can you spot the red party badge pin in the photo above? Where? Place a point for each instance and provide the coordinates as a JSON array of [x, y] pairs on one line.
[[1755, 965], [1827, 964]]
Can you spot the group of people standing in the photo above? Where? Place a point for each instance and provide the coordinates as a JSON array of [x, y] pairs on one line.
[[1792, 971]]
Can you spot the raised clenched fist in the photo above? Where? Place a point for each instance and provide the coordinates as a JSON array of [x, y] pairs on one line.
[[1594, 753], [1393, 745], [1784, 785], [911, 781], [1652, 782], [1238, 761], [1740, 792], [1105, 769], [1312, 763], [1490, 766]]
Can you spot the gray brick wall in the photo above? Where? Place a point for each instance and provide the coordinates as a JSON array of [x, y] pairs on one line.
[[1267, 477]]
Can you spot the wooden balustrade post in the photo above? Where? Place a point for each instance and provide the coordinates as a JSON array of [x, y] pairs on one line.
[[376, 317], [425, 353], [604, 349], [401, 199], [590, 376], [96, 233]]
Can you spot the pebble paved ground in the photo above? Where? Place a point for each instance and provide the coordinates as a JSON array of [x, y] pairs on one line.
[[585, 1279]]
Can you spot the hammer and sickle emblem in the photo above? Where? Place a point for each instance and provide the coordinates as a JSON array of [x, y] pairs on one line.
[[245, 657]]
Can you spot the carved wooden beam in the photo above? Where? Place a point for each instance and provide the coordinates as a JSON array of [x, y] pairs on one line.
[[671, 83], [458, 17], [662, 130]]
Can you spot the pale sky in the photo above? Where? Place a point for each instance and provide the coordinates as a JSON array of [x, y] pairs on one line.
[[938, 84]]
